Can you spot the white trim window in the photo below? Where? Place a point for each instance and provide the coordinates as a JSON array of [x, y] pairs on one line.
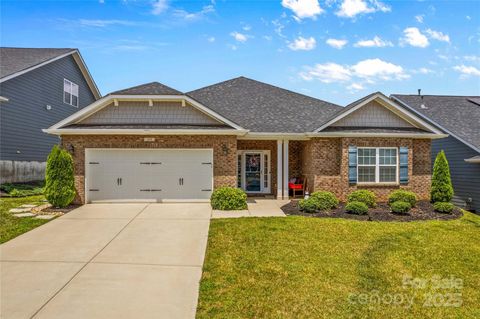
[[70, 93], [377, 165]]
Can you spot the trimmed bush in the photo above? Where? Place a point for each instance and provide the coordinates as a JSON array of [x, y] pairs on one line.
[[358, 208], [400, 207], [364, 196], [318, 201], [403, 196], [59, 179], [443, 207], [228, 198], [442, 189]]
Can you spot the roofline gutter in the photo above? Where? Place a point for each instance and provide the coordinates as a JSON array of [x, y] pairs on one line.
[[475, 159], [433, 122], [65, 131], [274, 136]]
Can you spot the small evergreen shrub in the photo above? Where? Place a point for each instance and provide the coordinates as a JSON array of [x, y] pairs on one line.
[[400, 207], [365, 196], [404, 196], [442, 189], [443, 207], [59, 178], [358, 208], [318, 201], [228, 198]]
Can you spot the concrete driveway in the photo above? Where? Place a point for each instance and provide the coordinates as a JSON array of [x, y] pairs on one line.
[[108, 261]]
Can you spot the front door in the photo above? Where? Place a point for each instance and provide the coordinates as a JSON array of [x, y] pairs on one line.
[[254, 171]]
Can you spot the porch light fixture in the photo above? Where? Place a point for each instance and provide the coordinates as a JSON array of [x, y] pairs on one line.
[[70, 148]]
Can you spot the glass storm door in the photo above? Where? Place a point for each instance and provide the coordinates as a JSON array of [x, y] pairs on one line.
[[254, 171]]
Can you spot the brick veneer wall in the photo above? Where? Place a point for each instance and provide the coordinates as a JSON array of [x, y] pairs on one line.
[[224, 153], [326, 165]]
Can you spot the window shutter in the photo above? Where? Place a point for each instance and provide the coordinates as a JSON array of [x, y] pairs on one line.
[[403, 165], [352, 164]]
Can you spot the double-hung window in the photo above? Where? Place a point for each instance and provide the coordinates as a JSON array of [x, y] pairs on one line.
[[377, 165], [70, 92]]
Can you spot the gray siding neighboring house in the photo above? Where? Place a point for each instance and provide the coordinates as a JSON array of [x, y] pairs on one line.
[[33, 82], [458, 116]]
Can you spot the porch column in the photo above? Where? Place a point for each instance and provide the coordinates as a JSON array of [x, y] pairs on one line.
[[279, 169], [285, 169]]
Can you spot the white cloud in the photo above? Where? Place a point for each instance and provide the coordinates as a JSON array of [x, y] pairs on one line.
[[159, 6], [211, 39], [354, 87], [352, 8], [363, 72], [267, 37], [375, 42], [327, 73], [193, 16], [425, 71], [247, 27], [105, 23], [468, 17], [278, 28], [101, 1], [373, 69], [419, 18], [437, 35], [473, 58], [233, 47], [336, 43], [303, 8], [301, 43], [414, 37], [240, 37], [467, 71]]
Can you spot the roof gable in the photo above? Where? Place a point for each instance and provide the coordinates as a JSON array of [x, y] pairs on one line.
[[152, 88], [456, 115], [261, 107], [17, 61], [376, 111]]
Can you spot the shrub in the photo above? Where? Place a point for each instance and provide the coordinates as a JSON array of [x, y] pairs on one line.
[[365, 196], [358, 208], [442, 190], [400, 207], [443, 207], [318, 201], [404, 196], [22, 190], [59, 179], [228, 198]]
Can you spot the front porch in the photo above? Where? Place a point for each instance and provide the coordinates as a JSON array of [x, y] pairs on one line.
[[264, 167]]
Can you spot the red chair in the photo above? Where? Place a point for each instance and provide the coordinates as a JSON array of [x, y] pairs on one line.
[[297, 185]]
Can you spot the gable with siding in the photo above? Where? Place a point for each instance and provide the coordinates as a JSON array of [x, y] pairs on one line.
[[140, 112], [373, 114]]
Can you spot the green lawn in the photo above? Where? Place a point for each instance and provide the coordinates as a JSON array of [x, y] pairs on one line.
[[299, 267], [11, 227]]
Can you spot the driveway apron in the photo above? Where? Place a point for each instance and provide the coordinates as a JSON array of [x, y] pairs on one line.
[[108, 261]]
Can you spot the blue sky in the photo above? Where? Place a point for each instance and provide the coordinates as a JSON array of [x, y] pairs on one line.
[[334, 50]]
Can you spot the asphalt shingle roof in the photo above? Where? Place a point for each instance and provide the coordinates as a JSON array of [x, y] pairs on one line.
[[152, 88], [458, 114], [262, 107], [13, 60]]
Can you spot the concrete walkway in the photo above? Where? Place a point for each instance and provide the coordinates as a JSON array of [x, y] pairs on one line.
[[257, 207], [108, 261]]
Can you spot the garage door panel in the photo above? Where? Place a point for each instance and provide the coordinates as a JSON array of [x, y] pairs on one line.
[[150, 175]]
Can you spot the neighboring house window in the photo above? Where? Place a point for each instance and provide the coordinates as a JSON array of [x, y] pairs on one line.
[[70, 92], [377, 165]]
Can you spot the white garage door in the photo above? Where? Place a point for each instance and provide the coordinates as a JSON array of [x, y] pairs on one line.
[[148, 175]]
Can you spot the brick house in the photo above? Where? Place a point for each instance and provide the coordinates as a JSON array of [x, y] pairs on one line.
[[154, 143]]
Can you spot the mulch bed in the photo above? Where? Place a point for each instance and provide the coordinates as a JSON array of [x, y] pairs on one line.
[[422, 211], [53, 210]]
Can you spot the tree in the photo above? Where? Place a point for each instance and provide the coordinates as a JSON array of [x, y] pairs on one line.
[[442, 189], [59, 178]]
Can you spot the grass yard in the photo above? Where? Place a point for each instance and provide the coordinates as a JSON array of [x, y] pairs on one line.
[[11, 227], [299, 267]]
